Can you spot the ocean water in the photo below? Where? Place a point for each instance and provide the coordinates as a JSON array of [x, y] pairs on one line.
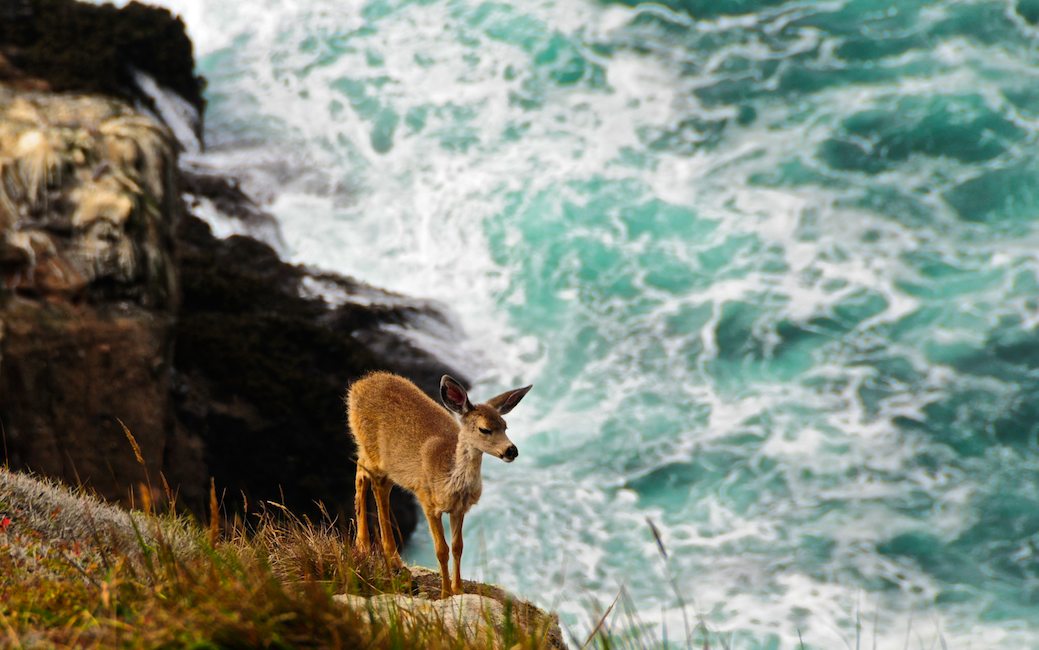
[[772, 267]]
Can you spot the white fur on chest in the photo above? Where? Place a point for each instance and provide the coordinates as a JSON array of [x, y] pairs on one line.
[[464, 485]]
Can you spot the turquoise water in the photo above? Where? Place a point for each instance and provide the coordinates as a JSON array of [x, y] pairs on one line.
[[771, 266]]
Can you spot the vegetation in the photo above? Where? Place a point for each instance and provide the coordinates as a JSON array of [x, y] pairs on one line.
[[77, 572]]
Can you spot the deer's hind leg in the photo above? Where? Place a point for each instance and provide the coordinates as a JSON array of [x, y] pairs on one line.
[[381, 486], [362, 541]]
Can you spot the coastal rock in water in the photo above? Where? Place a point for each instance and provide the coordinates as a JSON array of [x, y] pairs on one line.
[[220, 199], [262, 364]]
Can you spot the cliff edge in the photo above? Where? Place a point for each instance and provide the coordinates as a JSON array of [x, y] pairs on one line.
[[77, 572]]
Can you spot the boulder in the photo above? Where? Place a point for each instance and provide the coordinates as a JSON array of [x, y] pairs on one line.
[[484, 614]]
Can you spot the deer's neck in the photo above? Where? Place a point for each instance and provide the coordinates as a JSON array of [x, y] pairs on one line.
[[464, 483]]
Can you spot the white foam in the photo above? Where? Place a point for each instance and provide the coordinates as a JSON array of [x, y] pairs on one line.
[[174, 111]]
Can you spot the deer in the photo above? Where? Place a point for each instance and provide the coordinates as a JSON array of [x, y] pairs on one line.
[[435, 452]]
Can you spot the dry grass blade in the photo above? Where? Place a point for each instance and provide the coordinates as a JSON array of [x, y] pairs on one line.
[[674, 585], [133, 442], [12, 635], [602, 620], [146, 497], [214, 514], [171, 498]]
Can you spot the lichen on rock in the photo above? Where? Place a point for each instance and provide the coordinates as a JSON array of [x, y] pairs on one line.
[[85, 187]]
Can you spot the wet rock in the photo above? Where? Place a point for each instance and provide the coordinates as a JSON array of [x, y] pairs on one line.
[[223, 198]]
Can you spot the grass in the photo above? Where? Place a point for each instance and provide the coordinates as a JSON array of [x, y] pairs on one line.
[[75, 572]]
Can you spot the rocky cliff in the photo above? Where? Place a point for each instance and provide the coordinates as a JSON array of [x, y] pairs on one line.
[[117, 306], [65, 45], [88, 203]]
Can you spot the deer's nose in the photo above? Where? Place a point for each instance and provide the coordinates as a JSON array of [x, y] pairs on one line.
[[511, 453]]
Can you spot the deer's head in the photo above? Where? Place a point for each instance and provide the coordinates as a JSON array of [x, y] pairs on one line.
[[482, 425]]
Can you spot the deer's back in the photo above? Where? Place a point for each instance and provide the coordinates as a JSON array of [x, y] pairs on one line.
[[392, 419]]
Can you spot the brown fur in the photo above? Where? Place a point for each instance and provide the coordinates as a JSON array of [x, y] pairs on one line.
[[406, 438]]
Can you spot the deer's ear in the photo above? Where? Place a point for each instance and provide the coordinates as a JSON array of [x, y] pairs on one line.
[[509, 399], [454, 396]]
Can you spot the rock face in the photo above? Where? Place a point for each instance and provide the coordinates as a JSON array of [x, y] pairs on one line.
[[118, 307], [88, 201], [67, 45]]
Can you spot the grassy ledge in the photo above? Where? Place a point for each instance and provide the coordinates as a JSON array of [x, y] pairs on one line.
[[76, 572]]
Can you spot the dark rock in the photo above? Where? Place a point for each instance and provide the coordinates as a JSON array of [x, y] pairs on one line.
[[87, 290], [70, 373], [228, 198], [85, 47]]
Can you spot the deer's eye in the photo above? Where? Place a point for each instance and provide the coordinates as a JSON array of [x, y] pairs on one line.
[[485, 431]]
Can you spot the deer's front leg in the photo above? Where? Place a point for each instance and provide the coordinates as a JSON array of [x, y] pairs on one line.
[[436, 529], [456, 548]]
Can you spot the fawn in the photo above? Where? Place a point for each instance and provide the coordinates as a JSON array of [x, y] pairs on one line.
[[405, 437]]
